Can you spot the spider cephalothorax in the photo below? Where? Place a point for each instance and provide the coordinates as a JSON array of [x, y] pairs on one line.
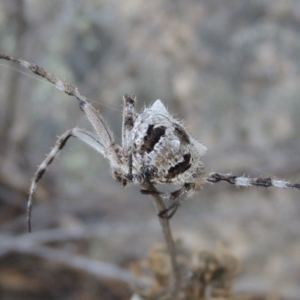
[[155, 148]]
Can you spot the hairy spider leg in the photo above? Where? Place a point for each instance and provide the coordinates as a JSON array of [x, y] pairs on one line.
[[129, 116], [176, 198], [247, 181], [84, 136], [111, 151]]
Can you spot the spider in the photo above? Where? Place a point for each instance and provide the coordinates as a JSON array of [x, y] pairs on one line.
[[155, 147]]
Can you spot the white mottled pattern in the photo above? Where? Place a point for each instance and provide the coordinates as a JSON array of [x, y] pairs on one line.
[[25, 64], [242, 181], [279, 183], [60, 85]]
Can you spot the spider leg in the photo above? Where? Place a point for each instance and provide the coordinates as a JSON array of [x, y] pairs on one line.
[[168, 212], [248, 181], [105, 135], [177, 197], [82, 135], [111, 150], [129, 116]]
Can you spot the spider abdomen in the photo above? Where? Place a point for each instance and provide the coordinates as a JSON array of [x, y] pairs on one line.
[[162, 149]]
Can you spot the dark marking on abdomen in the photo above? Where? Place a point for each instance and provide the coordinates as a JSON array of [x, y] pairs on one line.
[[180, 167], [183, 136], [152, 137]]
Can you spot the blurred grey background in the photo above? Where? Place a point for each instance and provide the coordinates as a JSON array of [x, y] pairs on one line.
[[230, 69]]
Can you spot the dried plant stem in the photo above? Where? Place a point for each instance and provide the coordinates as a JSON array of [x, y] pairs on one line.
[[165, 225]]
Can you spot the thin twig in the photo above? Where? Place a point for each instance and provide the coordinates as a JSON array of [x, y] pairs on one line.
[[165, 225]]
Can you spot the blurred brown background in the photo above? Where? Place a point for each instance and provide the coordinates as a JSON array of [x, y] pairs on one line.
[[230, 69]]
